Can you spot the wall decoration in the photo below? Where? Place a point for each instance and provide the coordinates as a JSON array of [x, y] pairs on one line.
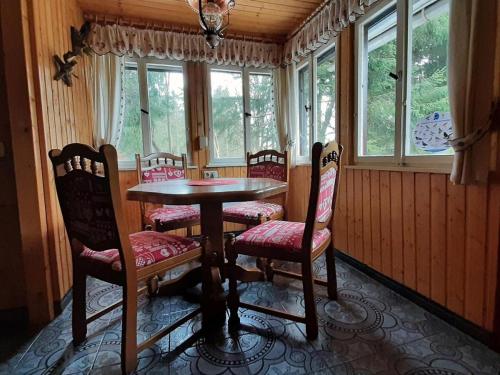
[[79, 46], [433, 133]]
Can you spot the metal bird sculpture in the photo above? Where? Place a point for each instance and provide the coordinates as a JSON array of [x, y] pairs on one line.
[[79, 47]]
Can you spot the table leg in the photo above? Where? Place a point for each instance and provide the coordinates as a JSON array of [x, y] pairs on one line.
[[213, 300]]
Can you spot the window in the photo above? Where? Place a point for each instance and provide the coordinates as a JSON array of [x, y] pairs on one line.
[[402, 89], [316, 81], [154, 111], [242, 113]]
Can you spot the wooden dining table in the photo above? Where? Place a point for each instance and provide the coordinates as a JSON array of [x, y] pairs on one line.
[[210, 195]]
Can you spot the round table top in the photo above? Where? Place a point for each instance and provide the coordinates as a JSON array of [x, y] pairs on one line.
[[179, 192]]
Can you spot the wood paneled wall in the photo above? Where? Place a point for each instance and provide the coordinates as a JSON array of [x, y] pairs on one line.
[[64, 113], [434, 237]]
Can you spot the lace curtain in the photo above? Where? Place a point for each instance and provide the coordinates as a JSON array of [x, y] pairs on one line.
[[130, 41], [328, 22], [108, 73]]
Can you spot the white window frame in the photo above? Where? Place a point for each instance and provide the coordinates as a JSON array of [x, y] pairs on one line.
[[245, 76], [142, 73], [403, 95], [312, 62]]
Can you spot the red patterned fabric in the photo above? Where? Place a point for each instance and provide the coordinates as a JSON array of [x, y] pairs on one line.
[[268, 170], [149, 247], [251, 210], [327, 187], [163, 173], [173, 214], [281, 235]]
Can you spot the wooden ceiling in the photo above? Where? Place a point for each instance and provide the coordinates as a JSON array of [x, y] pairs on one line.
[[269, 19]]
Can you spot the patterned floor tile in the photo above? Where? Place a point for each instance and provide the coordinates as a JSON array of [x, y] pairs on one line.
[[369, 329]]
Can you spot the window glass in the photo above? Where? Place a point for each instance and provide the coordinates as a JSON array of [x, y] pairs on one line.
[[227, 114], [429, 119], [166, 109], [130, 141], [326, 97], [377, 131], [263, 131], [304, 111]]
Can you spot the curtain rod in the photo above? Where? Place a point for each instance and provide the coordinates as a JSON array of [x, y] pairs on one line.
[[161, 26]]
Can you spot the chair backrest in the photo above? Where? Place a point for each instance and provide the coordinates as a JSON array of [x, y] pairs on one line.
[[324, 186], [89, 196], [160, 166], [268, 164]]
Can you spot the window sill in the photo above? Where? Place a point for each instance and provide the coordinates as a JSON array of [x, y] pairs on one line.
[[395, 168]]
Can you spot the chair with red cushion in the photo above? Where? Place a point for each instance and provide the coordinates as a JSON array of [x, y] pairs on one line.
[[295, 242], [88, 189], [160, 167], [263, 164]]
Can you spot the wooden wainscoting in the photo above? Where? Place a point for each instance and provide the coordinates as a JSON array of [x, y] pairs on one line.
[[64, 116], [434, 237]]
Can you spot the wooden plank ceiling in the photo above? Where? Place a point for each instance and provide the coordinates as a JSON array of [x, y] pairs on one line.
[[269, 19]]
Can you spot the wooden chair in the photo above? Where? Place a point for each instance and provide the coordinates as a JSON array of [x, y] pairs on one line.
[[295, 242], [89, 195], [263, 164], [159, 167]]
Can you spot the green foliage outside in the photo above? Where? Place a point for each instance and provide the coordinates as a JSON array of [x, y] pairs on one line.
[[228, 112], [429, 91], [326, 86], [263, 131], [130, 141]]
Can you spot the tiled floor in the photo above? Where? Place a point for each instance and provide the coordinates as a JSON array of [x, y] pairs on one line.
[[369, 330]]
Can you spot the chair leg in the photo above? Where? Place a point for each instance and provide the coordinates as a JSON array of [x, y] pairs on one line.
[[79, 316], [129, 329], [331, 272], [153, 286], [233, 297], [189, 231], [311, 318]]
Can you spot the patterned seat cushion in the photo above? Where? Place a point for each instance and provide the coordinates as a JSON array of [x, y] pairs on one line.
[[279, 235], [149, 247], [173, 214], [251, 210]]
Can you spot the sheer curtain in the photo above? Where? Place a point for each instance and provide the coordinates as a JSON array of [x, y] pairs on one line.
[[471, 77], [286, 108], [108, 98]]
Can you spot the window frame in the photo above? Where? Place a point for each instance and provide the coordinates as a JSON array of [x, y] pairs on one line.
[[404, 18], [312, 61], [141, 64], [245, 77]]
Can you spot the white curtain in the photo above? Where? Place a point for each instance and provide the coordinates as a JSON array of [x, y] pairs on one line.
[[334, 16], [108, 98], [286, 108], [130, 41], [471, 77], [280, 96]]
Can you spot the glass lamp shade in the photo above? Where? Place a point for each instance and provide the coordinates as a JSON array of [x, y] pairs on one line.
[[224, 5], [213, 16]]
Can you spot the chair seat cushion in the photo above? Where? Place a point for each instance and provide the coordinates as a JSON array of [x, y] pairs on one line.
[[149, 247], [251, 210], [279, 235], [173, 214]]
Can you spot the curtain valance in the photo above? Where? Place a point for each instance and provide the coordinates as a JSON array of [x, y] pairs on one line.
[[334, 16], [130, 41]]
